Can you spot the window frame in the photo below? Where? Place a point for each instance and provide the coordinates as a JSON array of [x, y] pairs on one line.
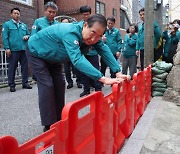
[[114, 12], [26, 2], [100, 5]]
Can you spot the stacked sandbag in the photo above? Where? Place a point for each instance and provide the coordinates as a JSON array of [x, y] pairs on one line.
[[160, 71]]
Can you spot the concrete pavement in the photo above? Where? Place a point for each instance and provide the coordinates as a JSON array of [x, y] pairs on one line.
[[157, 132]]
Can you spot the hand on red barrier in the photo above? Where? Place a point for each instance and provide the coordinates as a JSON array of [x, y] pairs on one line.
[[120, 75], [110, 81]]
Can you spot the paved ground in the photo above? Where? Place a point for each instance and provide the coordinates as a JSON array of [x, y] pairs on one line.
[[157, 132], [19, 111]]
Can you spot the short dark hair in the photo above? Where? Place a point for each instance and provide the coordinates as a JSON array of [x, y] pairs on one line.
[[50, 4], [176, 20], [135, 26], [111, 19], [15, 9], [84, 9], [141, 10], [97, 18]]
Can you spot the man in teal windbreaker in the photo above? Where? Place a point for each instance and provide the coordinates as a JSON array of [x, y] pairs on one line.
[[170, 35], [46, 21], [14, 37], [140, 41], [62, 42], [50, 10], [112, 38]]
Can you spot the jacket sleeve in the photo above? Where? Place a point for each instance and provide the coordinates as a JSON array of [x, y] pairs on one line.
[[71, 43], [106, 54], [157, 31], [174, 39], [132, 41], [34, 27], [119, 41], [137, 44], [165, 35], [5, 34]]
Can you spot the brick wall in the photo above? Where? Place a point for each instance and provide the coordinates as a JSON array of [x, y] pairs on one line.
[[71, 8]]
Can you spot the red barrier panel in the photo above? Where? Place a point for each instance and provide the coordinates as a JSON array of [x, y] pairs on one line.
[[104, 125], [82, 124], [139, 95], [128, 127], [48, 142], [119, 97], [148, 81], [8, 145]]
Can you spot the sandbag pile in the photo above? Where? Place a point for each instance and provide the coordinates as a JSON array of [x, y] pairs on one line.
[[160, 71]]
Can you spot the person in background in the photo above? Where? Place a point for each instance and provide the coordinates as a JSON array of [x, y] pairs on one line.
[[140, 41], [14, 37], [68, 67], [171, 38], [129, 51], [52, 84], [50, 10], [59, 43], [92, 57], [112, 38], [176, 22]]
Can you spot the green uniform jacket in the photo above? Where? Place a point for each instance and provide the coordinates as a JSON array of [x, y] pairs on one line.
[[12, 35], [170, 39], [129, 46], [113, 40], [140, 41], [62, 42], [41, 23]]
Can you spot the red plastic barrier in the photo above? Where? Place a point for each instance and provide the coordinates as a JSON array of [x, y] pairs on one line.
[[48, 142], [81, 116], [128, 127], [148, 81], [119, 97], [104, 125], [8, 145], [139, 95]]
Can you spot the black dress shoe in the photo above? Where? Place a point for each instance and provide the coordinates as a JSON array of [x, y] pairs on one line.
[[46, 128], [12, 89], [84, 93], [79, 85], [70, 85], [26, 86]]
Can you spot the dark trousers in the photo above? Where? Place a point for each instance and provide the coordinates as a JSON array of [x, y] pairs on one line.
[[142, 59], [51, 88], [88, 82], [131, 64], [104, 66], [17, 56], [157, 55], [68, 67]]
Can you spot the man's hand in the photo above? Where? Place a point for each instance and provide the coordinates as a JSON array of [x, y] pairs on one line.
[[8, 52], [110, 81], [26, 37], [117, 54], [104, 38], [120, 75], [137, 52]]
